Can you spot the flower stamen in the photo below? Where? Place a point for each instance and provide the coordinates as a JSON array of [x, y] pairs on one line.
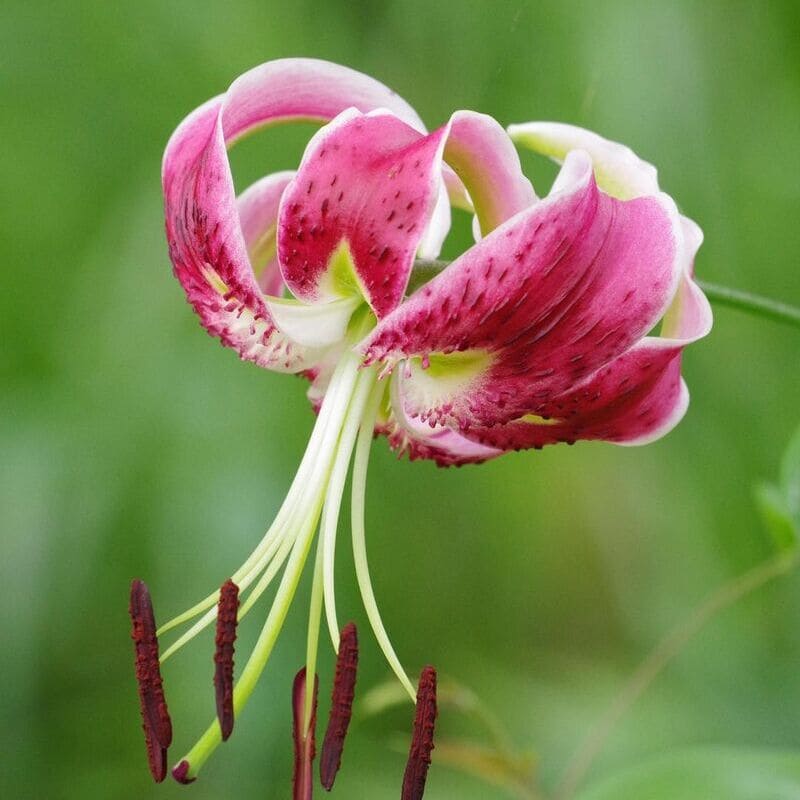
[[344, 684], [223, 657], [419, 756], [155, 714]]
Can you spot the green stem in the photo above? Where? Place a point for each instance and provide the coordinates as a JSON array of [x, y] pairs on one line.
[[751, 303]]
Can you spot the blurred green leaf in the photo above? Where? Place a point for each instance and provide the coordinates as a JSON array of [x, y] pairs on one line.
[[780, 505], [776, 516], [790, 478], [706, 774], [450, 695]]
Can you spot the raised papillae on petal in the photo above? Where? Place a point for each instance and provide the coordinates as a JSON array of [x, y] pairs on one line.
[[208, 247], [537, 306], [411, 436], [155, 715], [352, 220]]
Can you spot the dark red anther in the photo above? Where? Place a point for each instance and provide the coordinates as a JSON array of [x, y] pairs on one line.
[[227, 608], [419, 756], [181, 773], [155, 715], [344, 685], [304, 747], [156, 755]]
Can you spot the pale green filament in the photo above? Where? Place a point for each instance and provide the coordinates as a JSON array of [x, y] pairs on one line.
[[333, 498], [359, 541], [341, 398], [322, 439], [212, 737], [269, 574], [346, 422], [282, 541], [312, 640]]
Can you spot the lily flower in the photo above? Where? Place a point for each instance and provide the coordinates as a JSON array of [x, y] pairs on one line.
[[542, 332]]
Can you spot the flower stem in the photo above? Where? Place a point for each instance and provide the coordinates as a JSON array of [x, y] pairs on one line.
[[751, 303], [663, 653]]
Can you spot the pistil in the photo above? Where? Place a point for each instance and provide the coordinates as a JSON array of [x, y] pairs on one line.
[[347, 395], [345, 425], [304, 741]]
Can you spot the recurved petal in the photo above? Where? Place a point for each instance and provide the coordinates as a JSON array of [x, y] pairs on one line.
[[430, 245], [618, 170], [635, 399], [536, 307], [305, 88], [352, 219], [485, 159], [207, 245], [689, 316], [258, 216]]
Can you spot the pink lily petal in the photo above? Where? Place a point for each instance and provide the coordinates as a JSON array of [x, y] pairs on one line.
[[352, 219], [258, 216], [621, 173], [484, 158], [456, 192], [639, 396], [206, 241], [537, 306], [635, 399], [689, 317], [430, 245], [617, 169]]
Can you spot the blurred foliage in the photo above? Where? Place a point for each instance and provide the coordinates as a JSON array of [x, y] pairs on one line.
[[733, 774], [780, 504], [133, 445]]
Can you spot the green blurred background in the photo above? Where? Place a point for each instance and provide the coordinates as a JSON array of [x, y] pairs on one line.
[[134, 445]]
